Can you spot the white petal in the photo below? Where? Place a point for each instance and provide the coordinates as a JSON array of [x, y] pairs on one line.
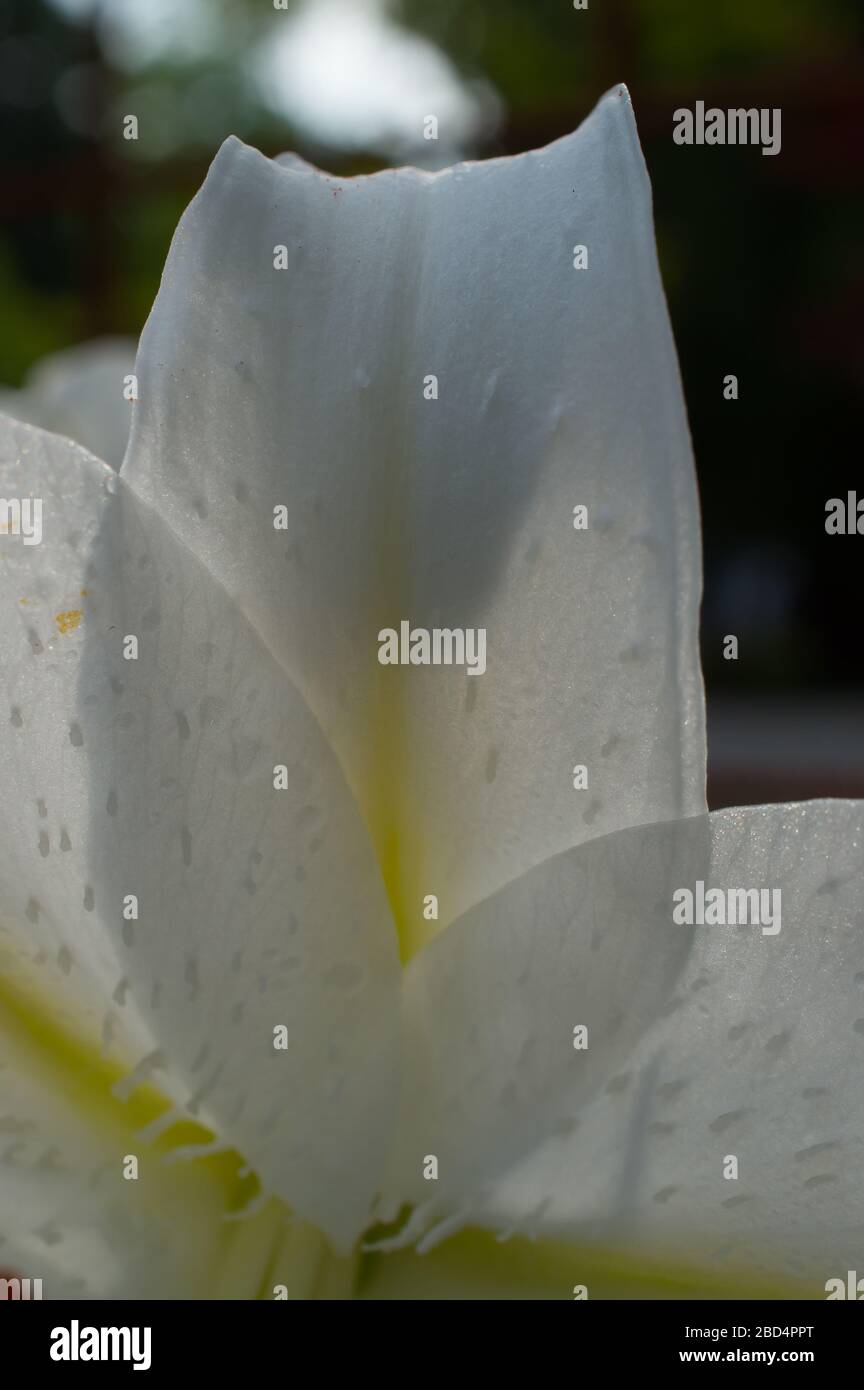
[[155, 778], [290, 160], [757, 1053], [68, 1216], [52, 944], [82, 392], [557, 388], [19, 404], [492, 1005]]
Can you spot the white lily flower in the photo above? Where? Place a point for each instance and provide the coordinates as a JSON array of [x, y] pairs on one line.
[[300, 950]]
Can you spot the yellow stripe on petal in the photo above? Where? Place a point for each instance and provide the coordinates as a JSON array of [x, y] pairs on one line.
[[474, 1265], [74, 1083]]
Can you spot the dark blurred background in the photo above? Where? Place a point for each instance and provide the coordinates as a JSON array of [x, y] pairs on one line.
[[762, 256]]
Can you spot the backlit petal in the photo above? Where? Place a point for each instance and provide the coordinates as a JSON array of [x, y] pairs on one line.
[[151, 853], [755, 1055], [310, 387]]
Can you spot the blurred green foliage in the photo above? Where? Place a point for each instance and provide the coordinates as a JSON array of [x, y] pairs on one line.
[[535, 53]]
